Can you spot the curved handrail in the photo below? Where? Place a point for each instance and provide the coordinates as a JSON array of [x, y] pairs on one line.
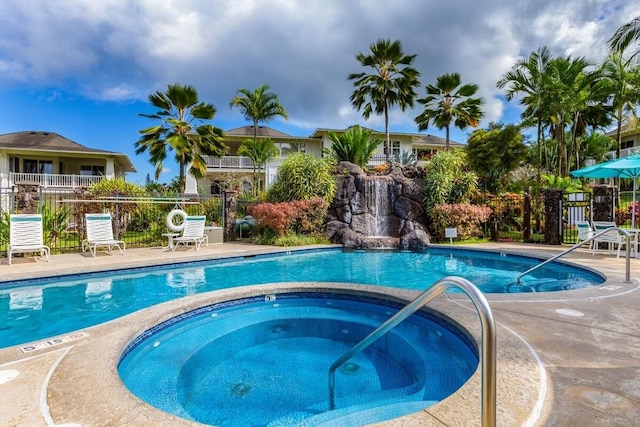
[[488, 340], [577, 245]]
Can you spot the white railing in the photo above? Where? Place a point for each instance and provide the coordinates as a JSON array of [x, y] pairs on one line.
[[625, 152], [54, 180], [228, 162]]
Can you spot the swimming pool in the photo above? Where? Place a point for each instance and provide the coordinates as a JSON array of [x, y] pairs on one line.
[[264, 362], [36, 309]]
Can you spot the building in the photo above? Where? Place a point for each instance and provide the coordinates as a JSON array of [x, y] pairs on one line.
[[54, 162], [630, 141], [236, 172]]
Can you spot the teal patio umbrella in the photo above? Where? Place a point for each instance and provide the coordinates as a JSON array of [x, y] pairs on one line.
[[624, 167]]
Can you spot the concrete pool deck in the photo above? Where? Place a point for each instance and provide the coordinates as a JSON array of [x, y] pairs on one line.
[[566, 358]]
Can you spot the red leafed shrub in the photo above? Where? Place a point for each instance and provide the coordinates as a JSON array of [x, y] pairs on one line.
[[299, 216], [465, 217]]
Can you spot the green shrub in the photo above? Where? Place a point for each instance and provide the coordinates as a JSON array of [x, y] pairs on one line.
[[467, 218], [356, 145], [447, 180], [302, 176]]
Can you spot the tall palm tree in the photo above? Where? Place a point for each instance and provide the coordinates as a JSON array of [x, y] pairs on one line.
[[259, 106], [450, 102], [528, 77], [625, 35], [392, 82], [623, 77], [259, 151], [183, 130]]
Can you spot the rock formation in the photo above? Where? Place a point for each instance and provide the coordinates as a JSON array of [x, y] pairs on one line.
[[376, 211]]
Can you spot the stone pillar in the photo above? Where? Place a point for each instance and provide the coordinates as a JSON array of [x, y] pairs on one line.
[[27, 198], [526, 220], [553, 216], [230, 207], [602, 203]]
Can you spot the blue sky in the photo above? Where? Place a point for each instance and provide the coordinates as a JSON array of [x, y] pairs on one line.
[[84, 69]]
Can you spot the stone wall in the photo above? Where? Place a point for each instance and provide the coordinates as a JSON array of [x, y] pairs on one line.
[[27, 198], [392, 217]]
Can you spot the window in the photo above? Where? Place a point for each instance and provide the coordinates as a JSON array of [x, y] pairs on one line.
[[216, 187], [87, 170], [37, 166], [626, 144], [395, 147], [286, 148]]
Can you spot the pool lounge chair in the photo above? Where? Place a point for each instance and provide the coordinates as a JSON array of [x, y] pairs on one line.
[[611, 238], [585, 232], [26, 235], [100, 233], [193, 232]]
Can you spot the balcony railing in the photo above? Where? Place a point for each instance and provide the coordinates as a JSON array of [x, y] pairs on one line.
[[228, 162], [54, 180]]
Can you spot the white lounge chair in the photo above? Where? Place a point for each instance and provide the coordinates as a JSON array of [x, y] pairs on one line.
[[193, 232], [26, 235], [100, 233], [585, 232], [611, 238]]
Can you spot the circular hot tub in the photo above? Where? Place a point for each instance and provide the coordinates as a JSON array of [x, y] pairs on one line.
[[265, 361]]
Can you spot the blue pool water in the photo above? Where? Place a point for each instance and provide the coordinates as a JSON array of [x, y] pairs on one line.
[[265, 363], [36, 309]]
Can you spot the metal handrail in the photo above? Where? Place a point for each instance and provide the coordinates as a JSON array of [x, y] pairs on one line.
[[488, 340], [577, 245]]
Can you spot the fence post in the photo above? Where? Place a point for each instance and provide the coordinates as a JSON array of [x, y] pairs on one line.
[[553, 216], [229, 207], [603, 203], [526, 219]]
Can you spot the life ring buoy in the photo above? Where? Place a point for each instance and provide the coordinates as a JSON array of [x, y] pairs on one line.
[[173, 226]]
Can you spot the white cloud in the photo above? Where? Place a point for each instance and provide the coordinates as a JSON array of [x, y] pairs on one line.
[[114, 50]]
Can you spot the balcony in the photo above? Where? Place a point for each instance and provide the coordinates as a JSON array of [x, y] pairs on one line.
[[228, 162], [47, 180]]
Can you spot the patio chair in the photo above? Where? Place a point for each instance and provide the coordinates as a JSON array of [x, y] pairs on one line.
[[193, 232], [611, 238], [585, 232], [100, 233], [26, 235]]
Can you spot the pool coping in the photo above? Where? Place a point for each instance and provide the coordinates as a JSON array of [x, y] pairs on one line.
[[81, 382]]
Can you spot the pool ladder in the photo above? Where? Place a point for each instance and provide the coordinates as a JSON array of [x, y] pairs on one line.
[[579, 244], [488, 340]]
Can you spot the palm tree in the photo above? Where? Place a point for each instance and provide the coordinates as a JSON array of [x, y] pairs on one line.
[[182, 130], [356, 145], [625, 35], [392, 82], [528, 77], [259, 151], [623, 77], [258, 106], [450, 102]]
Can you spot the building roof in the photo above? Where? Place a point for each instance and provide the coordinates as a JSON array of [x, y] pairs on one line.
[[416, 138], [263, 131], [51, 141]]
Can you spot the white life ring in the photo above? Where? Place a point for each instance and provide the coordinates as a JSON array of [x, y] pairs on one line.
[[171, 225]]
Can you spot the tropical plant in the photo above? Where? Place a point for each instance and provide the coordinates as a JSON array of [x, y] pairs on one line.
[[494, 152], [392, 82], [450, 102], [54, 222], [259, 151], [626, 35], [183, 130], [356, 145], [302, 176], [528, 77], [448, 180], [258, 106], [623, 80], [406, 158]]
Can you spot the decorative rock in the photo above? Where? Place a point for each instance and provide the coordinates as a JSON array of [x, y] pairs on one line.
[[378, 211]]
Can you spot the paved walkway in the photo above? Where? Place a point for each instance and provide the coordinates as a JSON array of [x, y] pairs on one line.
[[586, 341]]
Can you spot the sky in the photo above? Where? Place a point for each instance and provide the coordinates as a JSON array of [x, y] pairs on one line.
[[84, 69]]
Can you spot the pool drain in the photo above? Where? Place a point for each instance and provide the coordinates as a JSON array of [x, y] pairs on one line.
[[350, 368], [240, 389]]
